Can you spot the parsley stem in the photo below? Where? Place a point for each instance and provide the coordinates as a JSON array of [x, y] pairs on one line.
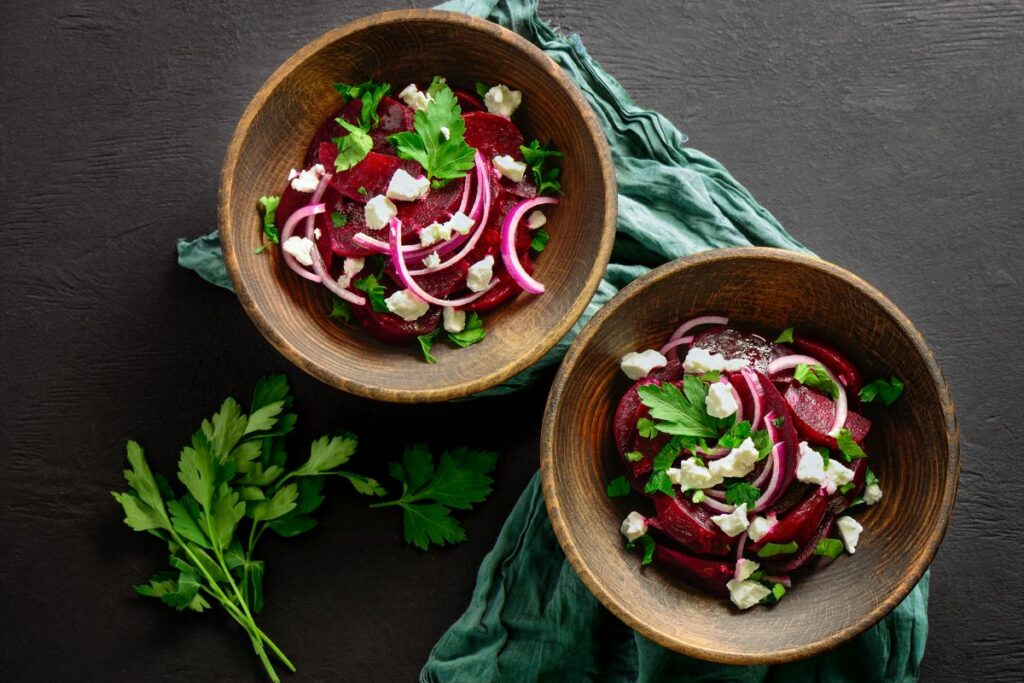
[[387, 503]]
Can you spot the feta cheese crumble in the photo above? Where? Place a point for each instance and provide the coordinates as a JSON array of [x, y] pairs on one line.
[[509, 167], [406, 305], [536, 220], [317, 233], [435, 232], [739, 462], [460, 223], [872, 493], [720, 402], [300, 249], [414, 98], [446, 133], [503, 101], [480, 274], [432, 261], [744, 568], [690, 475], [811, 469], [849, 530], [352, 266], [759, 526], [454, 320], [379, 211], [307, 180], [637, 365], [698, 361], [404, 187], [634, 526], [733, 523], [746, 594]]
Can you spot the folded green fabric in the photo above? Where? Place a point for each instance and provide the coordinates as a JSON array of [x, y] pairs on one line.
[[530, 617]]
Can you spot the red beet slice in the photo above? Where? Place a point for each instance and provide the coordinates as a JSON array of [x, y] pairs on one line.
[[774, 403], [733, 343], [393, 117], [799, 524], [492, 135], [440, 283], [813, 413], [784, 564], [836, 362], [524, 189], [438, 205], [627, 412], [504, 290], [468, 101], [392, 329], [711, 575], [689, 525], [372, 174], [291, 200]]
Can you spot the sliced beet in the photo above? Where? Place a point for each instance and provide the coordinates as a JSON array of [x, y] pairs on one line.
[[506, 288], [813, 413], [733, 343], [784, 564], [689, 525], [468, 101], [440, 283], [839, 502], [774, 403], [393, 117], [711, 575], [291, 201], [492, 135], [626, 413], [372, 174], [438, 205], [832, 359], [355, 222], [392, 329], [799, 524], [524, 189]]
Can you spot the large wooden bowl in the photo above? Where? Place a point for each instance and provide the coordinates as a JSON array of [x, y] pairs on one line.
[[913, 446], [402, 47]]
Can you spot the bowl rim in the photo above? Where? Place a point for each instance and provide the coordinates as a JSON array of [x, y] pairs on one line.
[[621, 608], [532, 352]]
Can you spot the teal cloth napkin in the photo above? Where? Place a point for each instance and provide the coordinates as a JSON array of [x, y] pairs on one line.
[[530, 617]]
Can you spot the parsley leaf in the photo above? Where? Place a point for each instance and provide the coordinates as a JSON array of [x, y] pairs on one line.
[[536, 156], [773, 549], [436, 85], [472, 333], [426, 343], [646, 429], [374, 292], [679, 412], [850, 449], [698, 496], [481, 89], [816, 377], [617, 488], [779, 421], [887, 392], [270, 205], [459, 481], [740, 492], [711, 376], [540, 240], [829, 547], [668, 453], [659, 483], [778, 590], [763, 442], [870, 478], [846, 488], [735, 435], [647, 546], [352, 148], [371, 94], [340, 309], [634, 456], [785, 337], [825, 455], [338, 219], [441, 158]]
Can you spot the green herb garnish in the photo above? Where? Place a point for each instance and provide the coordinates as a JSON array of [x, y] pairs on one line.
[[617, 488], [362, 191], [436, 85], [426, 343], [481, 90], [737, 434], [429, 494], [354, 147], [659, 483], [763, 441], [668, 454], [887, 392], [270, 205], [472, 333], [634, 456], [646, 544], [441, 158], [711, 376], [849, 447], [785, 337], [846, 488], [374, 292], [698, 496], [773, 549], [740, 492], [778, 590], [816, 377], [678, 412], [829, 547], [536, 155], [825, 456], [779, 421], [646, 429], [340, 309], [540, 240], [339, 220]]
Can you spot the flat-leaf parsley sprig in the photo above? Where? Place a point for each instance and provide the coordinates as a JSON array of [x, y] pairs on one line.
[[235, 473]]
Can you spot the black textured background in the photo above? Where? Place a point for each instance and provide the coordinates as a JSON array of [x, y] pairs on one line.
[[885, 135]]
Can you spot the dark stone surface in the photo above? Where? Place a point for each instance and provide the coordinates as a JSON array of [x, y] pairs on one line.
[[886, 136]]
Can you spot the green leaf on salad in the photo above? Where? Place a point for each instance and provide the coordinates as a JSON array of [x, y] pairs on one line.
[[678, 412], [829, 547], [340, 309], [338, 219], [778, 590], [537, 157], [711, 376], [645, 428], [617, 488], [362, 191], [659, 483], [481, 89], [698, 496], [870, 478], [374, 292], [540, 240], [352, 148], [646, 544], [848, 446], [846, 488], [785, 337], [472, 333], [736, 434], [816, 377], [825, 456], [773, 549], [634, 456], [886, 392], [740, 492], [426, 343], [270, 204], [668, 454], [779, 421], [371, 94], [763, 441], [436, 85], [441, 158]]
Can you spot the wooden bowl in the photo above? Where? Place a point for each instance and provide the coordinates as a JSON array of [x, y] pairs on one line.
[[402, 47], [913, 447]]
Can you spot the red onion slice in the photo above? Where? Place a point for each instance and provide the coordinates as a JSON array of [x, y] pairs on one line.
[[670, 346], [289, 228], [319, 267], [783, 579], [740, 545], [756, 395], [774, 488], [691, 324], [789, 362], [409, 283], [717, 505], [508, 243]]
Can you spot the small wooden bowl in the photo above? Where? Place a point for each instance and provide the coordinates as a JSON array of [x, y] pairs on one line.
[[913, 446], [402, 47]]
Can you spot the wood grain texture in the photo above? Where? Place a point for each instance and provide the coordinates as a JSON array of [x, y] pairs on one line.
[[883, 134], [763, 289], [400, 47]]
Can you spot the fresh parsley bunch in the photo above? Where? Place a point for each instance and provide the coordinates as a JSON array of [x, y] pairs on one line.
[[237, 485]]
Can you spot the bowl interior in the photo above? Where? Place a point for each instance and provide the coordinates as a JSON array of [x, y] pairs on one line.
[[913, 447], [399, 48]]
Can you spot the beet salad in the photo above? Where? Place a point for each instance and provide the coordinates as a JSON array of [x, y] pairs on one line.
[[750, 452], [419, 212]]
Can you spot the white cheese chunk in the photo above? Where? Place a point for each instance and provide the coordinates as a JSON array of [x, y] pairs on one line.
[[739, 462], [352, 266], [849, 530], [405, 188], [414, 98], [720, 402], [637, 365], [502, 100], [634, 526], [406, 305], [746, 594], [811, 469], [690, 475], [460, 223], [744, 568], [733, 523], [317, 233], [509, 167], [300, 249], [480, 274], [446, 133], [735, 364], [872, 494], [535, 220], [759, 526], [432, 261], [307, 180], [454, 320], [698, 361], [379, 211]]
